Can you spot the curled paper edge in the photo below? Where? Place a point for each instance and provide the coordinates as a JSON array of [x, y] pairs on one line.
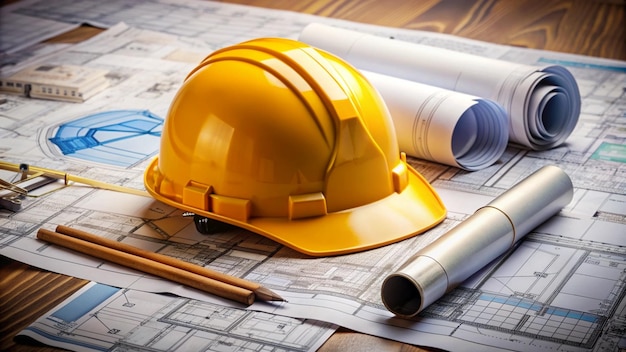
[[441, 125], [545, 108]]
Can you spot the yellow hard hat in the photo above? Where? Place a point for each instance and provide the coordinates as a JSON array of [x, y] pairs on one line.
[[290, 142]]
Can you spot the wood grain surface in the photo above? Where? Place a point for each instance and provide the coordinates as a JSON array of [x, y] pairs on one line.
[[588, 27], [25, 294]]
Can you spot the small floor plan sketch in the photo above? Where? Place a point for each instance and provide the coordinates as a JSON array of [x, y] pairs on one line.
[[119, 137], [104, 318]]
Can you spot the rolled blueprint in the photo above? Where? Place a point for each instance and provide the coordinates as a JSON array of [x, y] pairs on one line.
[[472, 244], [441, 125], [543, 103]]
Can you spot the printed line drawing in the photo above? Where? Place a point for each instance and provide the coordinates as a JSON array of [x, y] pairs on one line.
[[536, 296], [119, 137], [104, 318]]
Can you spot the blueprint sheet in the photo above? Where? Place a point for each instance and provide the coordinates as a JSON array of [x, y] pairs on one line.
[[561, 289], [104, 318], [19, 31]]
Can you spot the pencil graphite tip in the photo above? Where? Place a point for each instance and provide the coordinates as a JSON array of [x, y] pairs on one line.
[[265, 294]]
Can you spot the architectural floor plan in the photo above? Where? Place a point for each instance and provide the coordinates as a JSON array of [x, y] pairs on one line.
[[561, 289], [104, 318]]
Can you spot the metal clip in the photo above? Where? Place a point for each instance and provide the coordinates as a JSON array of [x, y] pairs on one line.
[[12, 194]]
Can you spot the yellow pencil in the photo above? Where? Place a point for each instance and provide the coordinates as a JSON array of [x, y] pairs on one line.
[[261, 292], [145, 261]]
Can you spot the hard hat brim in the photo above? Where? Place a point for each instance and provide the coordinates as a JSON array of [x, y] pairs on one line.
[[396, 217]]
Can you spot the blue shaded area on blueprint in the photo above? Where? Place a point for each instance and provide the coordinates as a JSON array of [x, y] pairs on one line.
[[538, 308], [85, 302], [120, 137], [585, 65]]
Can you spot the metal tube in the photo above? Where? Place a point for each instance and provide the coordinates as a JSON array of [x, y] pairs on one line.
[[488, 233]]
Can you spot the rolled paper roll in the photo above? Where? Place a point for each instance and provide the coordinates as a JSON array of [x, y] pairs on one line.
[[488, 233], [543, 102], [441, 125]]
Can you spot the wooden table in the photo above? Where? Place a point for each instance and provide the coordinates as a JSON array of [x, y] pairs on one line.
[[588, 27]]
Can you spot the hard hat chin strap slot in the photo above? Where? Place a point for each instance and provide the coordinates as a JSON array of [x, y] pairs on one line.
[[197, 195], [201, 196], [307, 205], [230, 207], [400, 174]]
